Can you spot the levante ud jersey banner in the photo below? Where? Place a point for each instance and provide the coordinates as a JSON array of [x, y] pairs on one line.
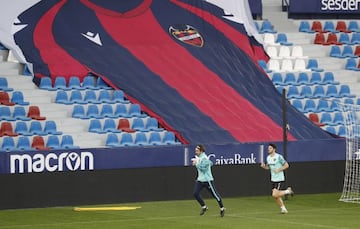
[[186, 62]]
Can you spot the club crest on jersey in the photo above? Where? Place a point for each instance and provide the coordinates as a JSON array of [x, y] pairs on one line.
[[187, 34]]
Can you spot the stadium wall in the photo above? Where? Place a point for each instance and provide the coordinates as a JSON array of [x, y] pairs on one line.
[[33, 190]]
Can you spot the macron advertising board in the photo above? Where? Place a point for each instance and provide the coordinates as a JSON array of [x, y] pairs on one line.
[[181, 155], [324, 6]]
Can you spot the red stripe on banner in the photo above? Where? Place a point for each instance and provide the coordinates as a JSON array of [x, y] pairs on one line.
[[59, 61], [148, 42]]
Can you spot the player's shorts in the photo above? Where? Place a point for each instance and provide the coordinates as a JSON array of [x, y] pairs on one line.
[[279, 185]]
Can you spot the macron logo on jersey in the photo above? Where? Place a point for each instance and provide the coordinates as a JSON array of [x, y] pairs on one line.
[[93, 37]]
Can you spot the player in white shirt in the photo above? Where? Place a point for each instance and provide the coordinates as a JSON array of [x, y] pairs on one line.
[[277, 164]]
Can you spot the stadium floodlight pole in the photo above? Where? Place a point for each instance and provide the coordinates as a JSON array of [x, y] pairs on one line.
[[285, 124], [285, 128]]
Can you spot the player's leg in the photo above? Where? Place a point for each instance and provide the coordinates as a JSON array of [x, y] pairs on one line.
[[211, 188], [277, 194], [197, 189]]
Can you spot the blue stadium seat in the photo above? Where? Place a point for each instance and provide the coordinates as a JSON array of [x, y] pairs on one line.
[[110, 126], [329, 26], [335, 51], [107, 111], [23, 144], [60, 83], [349, 101], [141, 139], [90, 97], [338, 119], [95, 126], [93, 112], [323, 106], [332, 91], [316, 78], [76, 97], [51, 128], [297, 103], [126, 139], [306, 92], [303, 79], [348, 52], [118, 97], [329, 78], [74, 83], [22, 128], [36, 128], [4, 85], [89, 82], [155, 138], [138, 124], [290, 79], [19, 113], [17, 97], [121, 111], [334, 106], [67, 142], [319, 91], [105, 97], [53, 142], [152, 125], [305, 27], [344, 38], [8, 144], [169, 138], [135, 111], [309, 106], [79, 112], [341, 131], [277, 79], [267, 27], [351, 64], [62, 97], [344, 91], [353, 26], [282, 39], [112, 140], [293, 93], [355, 38], [5, 114], [326, 119], [46, 84], [313, 65]]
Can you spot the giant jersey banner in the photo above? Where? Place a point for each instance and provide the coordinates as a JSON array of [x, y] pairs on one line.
[[186, 62]]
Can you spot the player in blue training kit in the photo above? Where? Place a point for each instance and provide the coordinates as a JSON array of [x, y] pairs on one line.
[[277, 164], [205, 179]]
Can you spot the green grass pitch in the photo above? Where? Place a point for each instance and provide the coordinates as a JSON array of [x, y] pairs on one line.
[[305, 211]]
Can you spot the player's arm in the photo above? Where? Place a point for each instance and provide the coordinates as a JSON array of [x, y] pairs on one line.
[[203, 164], [264, 166], [282, 168]]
